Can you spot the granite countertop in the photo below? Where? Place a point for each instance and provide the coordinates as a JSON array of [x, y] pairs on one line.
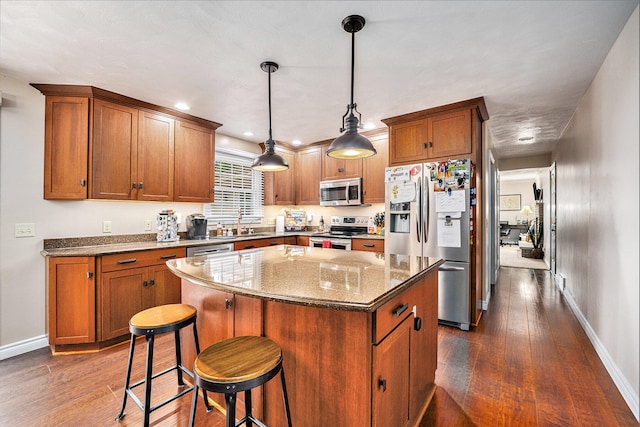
[[97, 246], [345, 280]]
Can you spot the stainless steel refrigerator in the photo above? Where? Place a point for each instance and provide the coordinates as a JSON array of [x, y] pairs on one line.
[[428, 213]]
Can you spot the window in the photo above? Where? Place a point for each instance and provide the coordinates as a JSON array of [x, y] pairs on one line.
[[237, 186]]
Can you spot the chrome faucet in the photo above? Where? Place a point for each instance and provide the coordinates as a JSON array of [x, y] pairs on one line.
[[239, 224]]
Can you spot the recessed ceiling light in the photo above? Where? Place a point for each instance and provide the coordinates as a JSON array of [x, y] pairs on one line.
[[296, 142], [248, 133], [182, 106]]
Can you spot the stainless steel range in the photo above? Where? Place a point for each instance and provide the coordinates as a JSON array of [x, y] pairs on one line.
[[341, 228]]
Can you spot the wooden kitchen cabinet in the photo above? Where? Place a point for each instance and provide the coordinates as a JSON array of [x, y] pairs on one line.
[[440, 136], [369, 245], [339, 168], [279, 187], [261, 243], [132, 282], [373, 173], [302, 241], [71, 300], [194, 163], [66, 147], [114, 166], [308, 183], [122, 148]]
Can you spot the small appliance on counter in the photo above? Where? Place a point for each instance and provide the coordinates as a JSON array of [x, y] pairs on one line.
[[167, 226], [196, 227]]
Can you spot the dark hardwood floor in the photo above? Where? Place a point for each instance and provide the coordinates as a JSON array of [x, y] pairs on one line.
[[529, 363]]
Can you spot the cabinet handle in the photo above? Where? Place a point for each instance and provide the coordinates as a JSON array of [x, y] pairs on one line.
[[424, 145], [127, 261], [276, 196], [400, 309], [248, 246], [382, 383], [168, 256], [369, 245], [140, 186], [274, 243], [89, 274], [152, 282], [340, 170], [145, 283], [417, 323], [134, 185], [213, 190], [83, 182], [228, 303], [430, 144]]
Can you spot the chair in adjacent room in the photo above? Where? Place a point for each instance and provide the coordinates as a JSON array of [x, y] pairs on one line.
[[238, 364], [504, 232], [149, 323]]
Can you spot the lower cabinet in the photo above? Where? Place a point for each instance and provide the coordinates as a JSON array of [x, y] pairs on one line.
[[369, 245], [71, 291]]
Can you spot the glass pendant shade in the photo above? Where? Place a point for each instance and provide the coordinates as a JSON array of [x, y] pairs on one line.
[[269, 161], [351, 145]]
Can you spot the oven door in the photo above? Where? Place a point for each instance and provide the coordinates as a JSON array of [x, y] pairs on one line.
[[335, 243]]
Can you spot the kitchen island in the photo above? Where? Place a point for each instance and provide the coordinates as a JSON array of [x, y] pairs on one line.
[[358, 330]]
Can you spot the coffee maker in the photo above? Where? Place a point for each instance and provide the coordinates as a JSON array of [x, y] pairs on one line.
[[196, 227]]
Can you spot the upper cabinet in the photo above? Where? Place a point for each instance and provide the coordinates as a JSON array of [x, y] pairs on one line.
[[439, 133], [339, 168], [308, 185], [136, 150], [279, 187], [373, 173], [66, 142]]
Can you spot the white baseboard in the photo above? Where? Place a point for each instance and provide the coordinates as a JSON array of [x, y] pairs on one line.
[[617, 376], [21, 347]]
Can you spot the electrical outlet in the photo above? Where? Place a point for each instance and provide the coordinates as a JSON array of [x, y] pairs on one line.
[[271, 221], [106, 226], [147, 225], [25, 230]]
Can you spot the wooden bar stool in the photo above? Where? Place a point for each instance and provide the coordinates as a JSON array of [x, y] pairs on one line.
[[151, 322], [238, 364]]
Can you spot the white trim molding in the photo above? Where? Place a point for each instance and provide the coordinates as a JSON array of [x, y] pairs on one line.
[[21, 347], [628, 394]]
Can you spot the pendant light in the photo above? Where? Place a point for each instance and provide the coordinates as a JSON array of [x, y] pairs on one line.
[[351, 145], [269, 161]]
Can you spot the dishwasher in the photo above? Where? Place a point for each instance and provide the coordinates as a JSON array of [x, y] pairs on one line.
[[209, 249]]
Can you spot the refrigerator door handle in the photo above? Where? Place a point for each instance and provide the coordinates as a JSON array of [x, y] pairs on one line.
[[425, 209], [450, 268], [419, 216]]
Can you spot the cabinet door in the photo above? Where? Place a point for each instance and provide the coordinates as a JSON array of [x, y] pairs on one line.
[[284, 181], [302, 241], [114, 151], [71, 306], [391, 378], [164, 287], [308, 165], [449, 134], [339, 168], [408, 142], [66, 147], [368, 245], [194, 163], [121, 296], [373, 173], [155, 157]]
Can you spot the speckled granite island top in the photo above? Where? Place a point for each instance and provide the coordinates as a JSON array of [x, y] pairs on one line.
[[345, 280]]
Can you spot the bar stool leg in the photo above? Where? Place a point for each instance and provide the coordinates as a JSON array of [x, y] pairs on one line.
[[230, 399], [194, 403], [178, 359], [204, 392], [147, 384], [132, 347], [285, 397], [247, 407]]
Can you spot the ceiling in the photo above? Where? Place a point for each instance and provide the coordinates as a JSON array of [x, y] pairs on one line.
[[532, 61]]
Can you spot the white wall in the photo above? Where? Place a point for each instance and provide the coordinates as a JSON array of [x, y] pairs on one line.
[[598, 199], [525, 189]]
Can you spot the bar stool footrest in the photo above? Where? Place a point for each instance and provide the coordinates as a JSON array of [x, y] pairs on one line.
[[137, 401], [253, 419]]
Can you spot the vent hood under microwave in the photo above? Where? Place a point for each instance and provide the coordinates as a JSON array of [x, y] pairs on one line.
[[341, 192]]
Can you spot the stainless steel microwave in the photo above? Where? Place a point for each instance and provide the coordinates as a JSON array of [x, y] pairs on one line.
[[341, 192]]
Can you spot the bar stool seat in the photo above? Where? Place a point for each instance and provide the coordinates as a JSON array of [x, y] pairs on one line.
[[151, 322], [238, 364]]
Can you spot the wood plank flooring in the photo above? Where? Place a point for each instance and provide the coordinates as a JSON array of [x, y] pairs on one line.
[[529, 363]]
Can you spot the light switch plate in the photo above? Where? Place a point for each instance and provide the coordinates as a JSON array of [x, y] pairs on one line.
[[25, 229], [106, 226], [271, 221], [147, 225]]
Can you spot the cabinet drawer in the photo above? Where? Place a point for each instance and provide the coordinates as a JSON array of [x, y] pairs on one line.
[[140, 258], [371, 245], [393, 313]]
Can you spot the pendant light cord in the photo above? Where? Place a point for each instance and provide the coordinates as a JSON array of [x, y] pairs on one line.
[[353, 48], [270, 137]]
